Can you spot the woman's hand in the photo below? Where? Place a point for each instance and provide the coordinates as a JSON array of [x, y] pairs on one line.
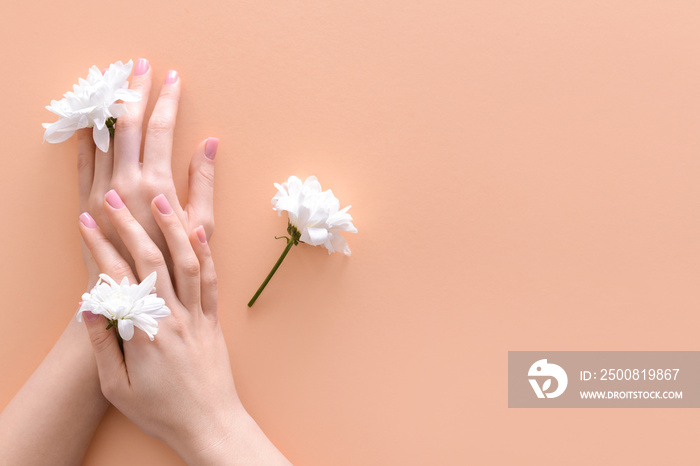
[[139, 182], [64, 391], [179, 387]]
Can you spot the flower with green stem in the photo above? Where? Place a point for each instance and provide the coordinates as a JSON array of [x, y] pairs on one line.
[[315, 218], [95, 102], [126, 306]]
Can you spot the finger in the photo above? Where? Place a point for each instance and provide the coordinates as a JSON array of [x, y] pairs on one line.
[[108, 259], [207, 274], [147, 257], [104, 163], [86, 166], [110, 360], [104, 157], [185, 262], [127, 136], [200, 204], [158, 147]]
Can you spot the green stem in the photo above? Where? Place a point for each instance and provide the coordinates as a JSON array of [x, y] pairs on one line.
[[290, 243], [110, 122]]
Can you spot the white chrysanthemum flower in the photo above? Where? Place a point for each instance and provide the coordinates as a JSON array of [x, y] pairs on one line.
[[315, 218], [126, 306], [93, 103], [314, 213]]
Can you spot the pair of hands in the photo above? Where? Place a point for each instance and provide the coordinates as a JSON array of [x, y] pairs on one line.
[[138, 182], [178, 388]]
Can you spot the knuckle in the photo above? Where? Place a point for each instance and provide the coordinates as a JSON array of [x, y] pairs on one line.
[[127, 223], [128, 121], [169, 93], [206, 176], [152, 256], [120, 270], [119, 183], [160, 124], [190, 267], [84, 161], [211, 280], [154, 183], [149, 184], [139, 83], [177, 326]]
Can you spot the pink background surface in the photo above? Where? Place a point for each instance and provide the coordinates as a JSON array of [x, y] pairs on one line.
[[523, 175]]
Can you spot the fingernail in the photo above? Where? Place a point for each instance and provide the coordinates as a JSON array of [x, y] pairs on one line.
[[171, 77], [88, 221], [201, 234], [163, 205], [89, 316], [210, 148], [114, 200], [141, 67]]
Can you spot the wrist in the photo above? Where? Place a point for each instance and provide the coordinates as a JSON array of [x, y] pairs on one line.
[[234, 438]]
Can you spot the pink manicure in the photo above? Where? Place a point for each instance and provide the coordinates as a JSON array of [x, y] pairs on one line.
[[163, 205], [210, 148], [201, 234], [141, 67], [88, 221], [171, 77], [114, 200]]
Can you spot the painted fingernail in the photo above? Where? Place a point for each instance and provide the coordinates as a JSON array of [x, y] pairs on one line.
[[114, 200], [141, 67], [210, 148], [171, 77], [163, 205], [87, 220], [89, 316], [201, 234]]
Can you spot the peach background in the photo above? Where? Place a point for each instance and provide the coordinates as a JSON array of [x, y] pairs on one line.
[[524, 175]]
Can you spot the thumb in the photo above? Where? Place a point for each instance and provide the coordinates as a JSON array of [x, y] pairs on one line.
[[110, 359]]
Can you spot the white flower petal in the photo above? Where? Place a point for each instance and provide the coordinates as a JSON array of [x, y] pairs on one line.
[[126, 329], [288, 204], [311, 185], [314, 236], [106, 278], [131, 305], [315, 213], [342, 221], [116, 110], [101, 137], [336, 242], [156, 309], [128, 95], [60, 130], [92, 102], [146, 286]]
